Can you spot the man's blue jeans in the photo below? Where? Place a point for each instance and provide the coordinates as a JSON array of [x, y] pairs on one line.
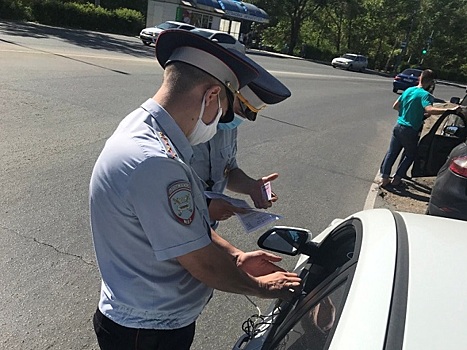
[[403, 137]]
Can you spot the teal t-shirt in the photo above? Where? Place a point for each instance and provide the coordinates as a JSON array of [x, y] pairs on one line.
[[412, 105]]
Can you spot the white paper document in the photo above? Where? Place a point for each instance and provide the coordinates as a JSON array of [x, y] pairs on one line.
[[251, 221]]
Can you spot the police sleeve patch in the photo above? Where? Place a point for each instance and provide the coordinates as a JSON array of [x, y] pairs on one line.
[[181, 201]]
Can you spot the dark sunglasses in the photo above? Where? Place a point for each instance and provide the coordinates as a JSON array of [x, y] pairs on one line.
[[247, 112]]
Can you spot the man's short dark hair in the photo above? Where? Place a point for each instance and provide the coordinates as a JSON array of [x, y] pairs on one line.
[[427, 76]]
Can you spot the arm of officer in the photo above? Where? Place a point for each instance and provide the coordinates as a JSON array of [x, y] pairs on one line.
[[215, 265], [242, 183]]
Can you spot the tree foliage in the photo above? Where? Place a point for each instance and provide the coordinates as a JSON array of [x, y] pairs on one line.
[[391, 33]]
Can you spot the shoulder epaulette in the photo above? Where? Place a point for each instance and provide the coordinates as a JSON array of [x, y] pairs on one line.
[[169, 148]]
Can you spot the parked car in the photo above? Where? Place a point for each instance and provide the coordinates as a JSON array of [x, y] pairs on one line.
[[375, 280], [449, 194], [407, 78], [222, 38], [351, 61], [149, 35]]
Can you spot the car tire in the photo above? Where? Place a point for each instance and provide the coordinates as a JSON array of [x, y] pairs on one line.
[[349, 67], [394, 90], [147, 43]]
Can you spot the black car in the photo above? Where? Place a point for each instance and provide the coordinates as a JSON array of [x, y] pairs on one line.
[[407, 78], [449, 193]]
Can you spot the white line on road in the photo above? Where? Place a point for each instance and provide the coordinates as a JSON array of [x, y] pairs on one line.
[[327, 76]]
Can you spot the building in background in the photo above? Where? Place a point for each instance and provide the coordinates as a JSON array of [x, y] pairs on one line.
[[230, 16]]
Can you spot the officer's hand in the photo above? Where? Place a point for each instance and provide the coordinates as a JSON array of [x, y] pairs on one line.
[[259, 263], [282, 285], [220, 209], [256, 193]]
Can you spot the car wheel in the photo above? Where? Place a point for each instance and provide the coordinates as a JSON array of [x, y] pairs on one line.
[[394, 90], [349, 67], [147, 43]]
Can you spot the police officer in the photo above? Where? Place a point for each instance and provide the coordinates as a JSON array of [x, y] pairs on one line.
[[157, 255], [215, 161]]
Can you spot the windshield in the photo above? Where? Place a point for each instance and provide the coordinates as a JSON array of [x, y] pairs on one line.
[[167, 25], [350, 56], [202, 33], [414, 72]]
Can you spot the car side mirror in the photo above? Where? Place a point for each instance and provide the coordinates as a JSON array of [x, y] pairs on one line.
[[285, 240], [455, 100]]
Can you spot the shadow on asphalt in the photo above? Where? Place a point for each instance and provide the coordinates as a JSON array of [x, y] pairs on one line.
[[78, 37]]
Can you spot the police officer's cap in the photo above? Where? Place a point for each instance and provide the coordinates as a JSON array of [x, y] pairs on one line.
[[266, 87], [224, 65]]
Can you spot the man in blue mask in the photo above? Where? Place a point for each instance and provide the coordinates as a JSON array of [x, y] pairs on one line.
[[215, 161]]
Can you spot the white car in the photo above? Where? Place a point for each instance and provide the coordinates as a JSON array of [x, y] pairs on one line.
[[351, 61], [224, 39], [149, 35], [375, 280]]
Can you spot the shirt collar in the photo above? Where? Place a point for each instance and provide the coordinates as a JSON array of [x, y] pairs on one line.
[[170, 128]]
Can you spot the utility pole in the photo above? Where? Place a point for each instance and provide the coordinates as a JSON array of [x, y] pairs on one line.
[[427, 47], [405, 43]]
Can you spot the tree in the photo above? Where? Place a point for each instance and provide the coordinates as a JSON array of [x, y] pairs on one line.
[[293, 13]]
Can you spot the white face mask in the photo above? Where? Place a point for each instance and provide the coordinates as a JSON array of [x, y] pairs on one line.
[[202, 132]]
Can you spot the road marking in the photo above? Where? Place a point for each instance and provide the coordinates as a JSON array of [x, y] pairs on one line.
[[372, 193], [312, 75]]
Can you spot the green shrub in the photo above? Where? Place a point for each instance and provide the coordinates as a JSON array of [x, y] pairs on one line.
[[87, 16], [14, 9]]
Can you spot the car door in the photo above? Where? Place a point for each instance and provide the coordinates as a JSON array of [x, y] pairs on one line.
[[311, 323], [433, 149]]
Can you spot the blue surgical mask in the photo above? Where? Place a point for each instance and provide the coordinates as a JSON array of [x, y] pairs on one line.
[[236, 121]]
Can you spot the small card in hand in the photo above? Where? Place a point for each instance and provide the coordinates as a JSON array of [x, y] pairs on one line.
[[267, 192]]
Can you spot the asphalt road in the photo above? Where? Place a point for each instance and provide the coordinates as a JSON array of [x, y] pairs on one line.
[[63, 92]]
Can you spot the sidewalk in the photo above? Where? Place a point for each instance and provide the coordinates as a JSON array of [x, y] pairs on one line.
[[412, 198], [414, 195]]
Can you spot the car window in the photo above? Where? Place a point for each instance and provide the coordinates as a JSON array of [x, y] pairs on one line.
[[414, 72], [350, 57], [202, 33], [314, 327], [186, 27], [167, 25], [325, 287], [224, 38]]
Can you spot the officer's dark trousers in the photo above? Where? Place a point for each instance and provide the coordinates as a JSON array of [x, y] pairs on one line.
[[112, 336]]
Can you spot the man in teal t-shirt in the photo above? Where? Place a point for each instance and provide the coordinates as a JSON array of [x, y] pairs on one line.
[[414, 105]]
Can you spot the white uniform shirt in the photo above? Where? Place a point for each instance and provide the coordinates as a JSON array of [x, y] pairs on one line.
[[147, 208]]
